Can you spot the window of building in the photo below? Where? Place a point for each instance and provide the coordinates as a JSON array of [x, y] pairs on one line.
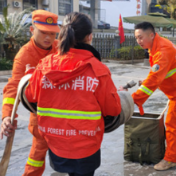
[[29, 3], [2, 5], [65, 7]]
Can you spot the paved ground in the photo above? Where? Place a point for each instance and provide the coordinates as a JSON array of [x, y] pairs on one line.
[[113, 163]]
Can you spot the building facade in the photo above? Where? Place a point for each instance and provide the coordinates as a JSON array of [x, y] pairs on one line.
[[60, 7]]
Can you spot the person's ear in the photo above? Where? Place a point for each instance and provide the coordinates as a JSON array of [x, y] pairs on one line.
[[88, 38], [152, 35], [32, 29]]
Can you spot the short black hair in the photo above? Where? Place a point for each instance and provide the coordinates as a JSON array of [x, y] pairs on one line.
[[145, 26]]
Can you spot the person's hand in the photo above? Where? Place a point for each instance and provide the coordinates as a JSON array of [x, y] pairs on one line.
[[140, 82], [122, 89], [141, 110], [7, 128]]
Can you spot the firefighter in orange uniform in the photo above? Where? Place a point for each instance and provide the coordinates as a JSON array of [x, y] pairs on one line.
[[162, 75], [44, 29], [80, 93]]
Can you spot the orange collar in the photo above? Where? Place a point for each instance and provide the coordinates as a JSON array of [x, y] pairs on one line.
[[42, 52], [155, 43]]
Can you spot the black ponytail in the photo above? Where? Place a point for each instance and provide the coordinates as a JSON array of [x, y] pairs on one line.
[[66, 39], [74, 30]]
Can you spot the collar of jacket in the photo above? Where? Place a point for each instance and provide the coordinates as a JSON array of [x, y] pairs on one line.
[[88, 47], [42, 52], [154, 48], [155, 43]]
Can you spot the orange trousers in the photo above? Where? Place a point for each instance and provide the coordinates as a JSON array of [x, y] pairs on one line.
[[170, 154], [35, 165]]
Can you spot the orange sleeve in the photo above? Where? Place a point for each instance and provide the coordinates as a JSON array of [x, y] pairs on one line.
[[10, 90], [33, 87], [106, 94], [157, 74]]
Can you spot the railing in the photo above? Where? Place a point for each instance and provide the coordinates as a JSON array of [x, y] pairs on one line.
[[172, 39], [129, 41], [105, 44]]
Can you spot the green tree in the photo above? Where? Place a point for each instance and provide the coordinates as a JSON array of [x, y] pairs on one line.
[[170, 6], [12, 28]]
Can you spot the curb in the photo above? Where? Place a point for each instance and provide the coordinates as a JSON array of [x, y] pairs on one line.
[[136, 63], [123, 61], [5, 72], [9, 72]]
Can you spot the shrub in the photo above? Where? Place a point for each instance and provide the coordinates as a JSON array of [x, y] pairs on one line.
[[5, 64], [139, 53], [127, 52]]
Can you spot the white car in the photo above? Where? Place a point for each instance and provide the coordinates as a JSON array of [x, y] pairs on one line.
[[27, 19]]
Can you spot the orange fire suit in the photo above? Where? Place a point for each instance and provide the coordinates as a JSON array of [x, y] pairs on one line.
[[28, 54], [73, 129], [163, 76]]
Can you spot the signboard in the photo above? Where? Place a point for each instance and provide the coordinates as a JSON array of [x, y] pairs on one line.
[[138, 7]]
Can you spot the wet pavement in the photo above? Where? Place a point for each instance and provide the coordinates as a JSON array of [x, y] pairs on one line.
[[112, 163]]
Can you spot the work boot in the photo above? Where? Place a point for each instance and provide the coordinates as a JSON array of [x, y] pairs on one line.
[[164, 165]]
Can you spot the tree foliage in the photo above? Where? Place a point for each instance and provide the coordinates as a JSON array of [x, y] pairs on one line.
[[12, 25], [12, 30], [170, 6]]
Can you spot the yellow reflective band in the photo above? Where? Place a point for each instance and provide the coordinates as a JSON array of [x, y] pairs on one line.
[[69, 114], [35, 163], [170, 73], [8, 101], [145, 90]]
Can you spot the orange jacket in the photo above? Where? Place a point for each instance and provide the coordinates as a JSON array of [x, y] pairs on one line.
[[73, 92], [28, 54], [162, 74]]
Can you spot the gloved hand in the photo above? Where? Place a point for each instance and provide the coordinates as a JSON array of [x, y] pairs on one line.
[[140, 82], [141, 110], [122, 89]]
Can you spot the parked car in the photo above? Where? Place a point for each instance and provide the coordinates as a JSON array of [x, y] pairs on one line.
[[27, 18], [59, 23], [103, 25]]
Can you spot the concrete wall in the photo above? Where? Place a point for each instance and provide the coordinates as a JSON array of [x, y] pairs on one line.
[[144, 7], [94, 11], [53, 7], [40, 6], [12, 9], [75, 5]]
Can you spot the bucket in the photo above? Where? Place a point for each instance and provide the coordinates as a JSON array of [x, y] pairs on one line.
[[144, 138]]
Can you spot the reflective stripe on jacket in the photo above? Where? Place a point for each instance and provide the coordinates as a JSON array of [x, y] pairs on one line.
[[163, 71], [73, 93]]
